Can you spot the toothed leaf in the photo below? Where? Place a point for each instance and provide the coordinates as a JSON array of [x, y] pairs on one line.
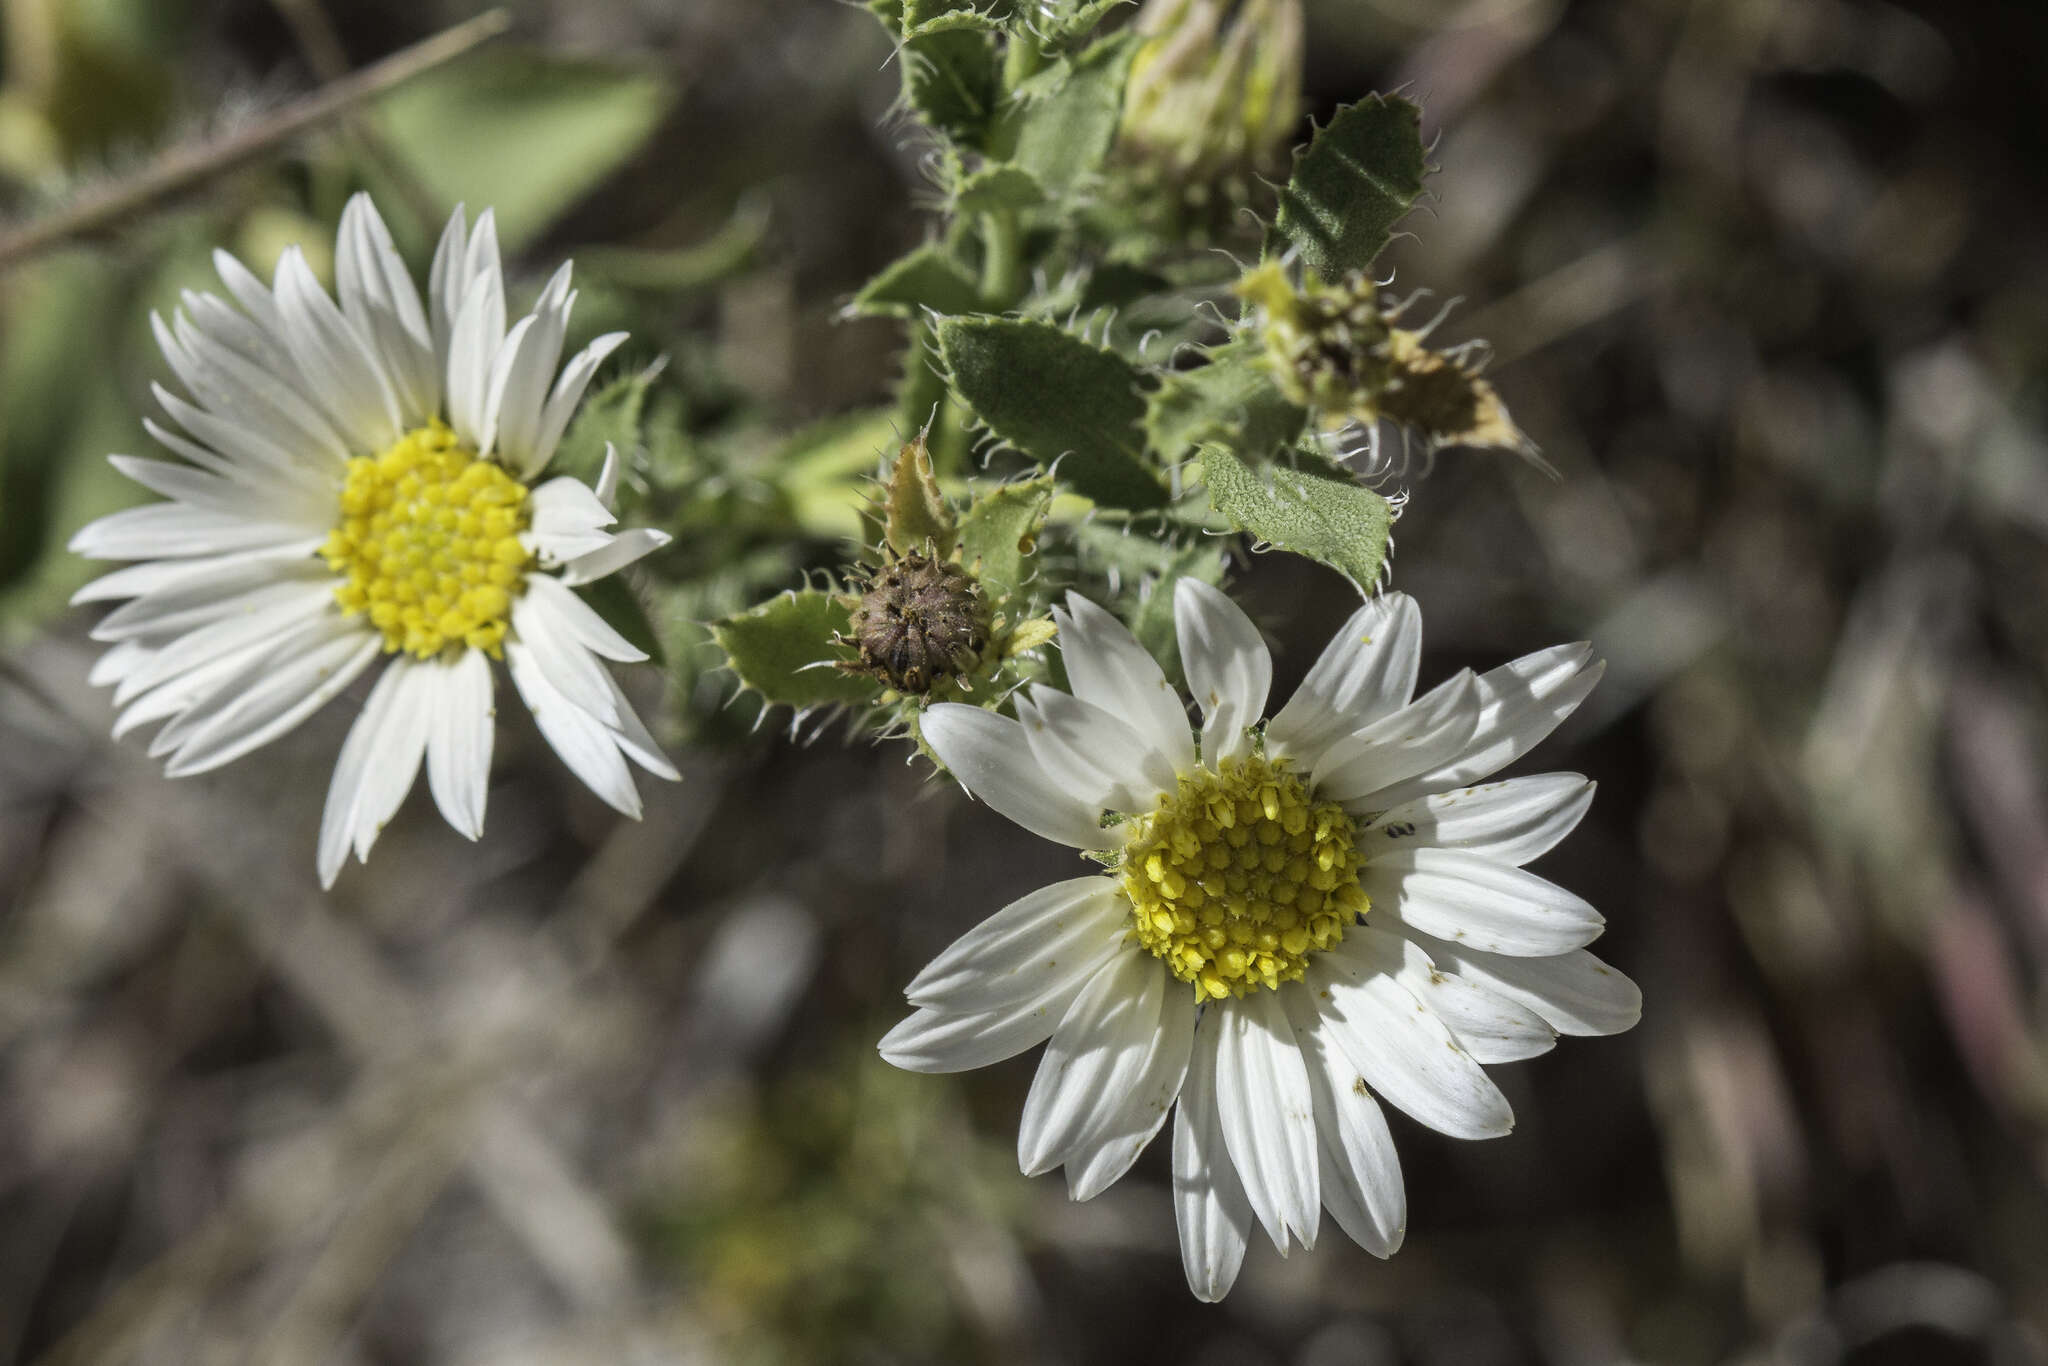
[[1231, 400], [1359, 175], [783, 650], [953, 82], [1312, 508], [925, 278], [998, 534], [998, 187], [919, 517], [1057, 399], [1059, 124]]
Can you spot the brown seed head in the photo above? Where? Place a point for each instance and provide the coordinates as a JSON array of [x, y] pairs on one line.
[[920, 621]]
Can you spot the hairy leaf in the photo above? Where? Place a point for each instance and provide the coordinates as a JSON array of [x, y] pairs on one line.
[[1057, 399], [1320, 512], [1359, 175], [919, 517], [1231, 400], [998, 534], [927, 277], [951, 79], [783, 650], [1059, 125]]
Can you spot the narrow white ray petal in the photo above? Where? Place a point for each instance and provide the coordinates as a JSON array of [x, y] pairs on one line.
[[1025, 947], [261, 502], [630, 734], [1228, 666], [567, 393], [337, 360], [400, 746], [242, 452], [252, 294], [1519, 704], [1110, 669], [569, 668], [566, 520], [585, 744], [189, 605], [1125, 1124], [1098, 1052], [446, 284], [1403, 1051], [581, 620], [607, 488], [1360, 1171], [179, 697], [519, 388], [117, 663], [253, 393], [459, 745], [472, 354], [1511, 821], [377, 294], [228, 573], [1367, 671], [940, 1041], [170, 531], [1092, 754], [1268, 1116], [1478, 903], [283, 607], [1574, 992], [1209, 1203], [1357, 767], [1487, 1025], [990, 757], [289, 689], [360, 753], [628, 547]]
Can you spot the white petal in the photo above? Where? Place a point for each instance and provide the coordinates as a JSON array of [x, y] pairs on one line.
[[1109, 669], [472, 354], [1361, 1173], [562, 659], [519, 387], [159, 576], [1098, 1052], [1511, 821], [378, 762], [1267, 1115], [236, 497], [447, 282], [1030, 945], [377, 294], [621, 550], [184, 606], [169, 531], [567, 520], [291, 688], [1367, 671], [1355, 769], [338, 361], [586, 744], [276, 609], [630, 735], [940, 1041], [1092, 754], [252, 294], [1228, 666], [1130, 1115], [1478, 903], [459, 746], [252, 391], [567, 393], [1209, 1203], [1519, 704], [990, 757], [1575, 992], [580, 620], [607, 488], [1489, 1026], [1403, 1051]]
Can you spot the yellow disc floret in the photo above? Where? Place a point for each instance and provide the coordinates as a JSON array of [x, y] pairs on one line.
[[427, 544], [1238, 877]]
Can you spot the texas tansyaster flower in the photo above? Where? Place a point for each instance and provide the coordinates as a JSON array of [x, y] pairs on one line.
[[1298, 919], [357, 483]]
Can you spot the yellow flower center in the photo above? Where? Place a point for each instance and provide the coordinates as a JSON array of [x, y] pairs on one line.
[[427, 544], [1236, 879]]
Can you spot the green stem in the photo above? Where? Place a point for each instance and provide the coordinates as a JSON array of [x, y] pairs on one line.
[[1022, 59], [1002, 259]]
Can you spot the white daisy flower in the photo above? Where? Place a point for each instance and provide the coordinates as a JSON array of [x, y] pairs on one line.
[[359, 485], [1297, 921]]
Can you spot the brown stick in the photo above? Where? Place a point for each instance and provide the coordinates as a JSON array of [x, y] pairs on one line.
[[180, 168]]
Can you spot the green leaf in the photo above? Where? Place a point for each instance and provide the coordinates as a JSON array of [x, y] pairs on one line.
[[1059, 125], [999, 534], [522, 131], [890, 15], [1062, 21], [927, 277], [1057, 399], [611, 415], [1231, 400], [823, 470], [614, 599], [998, 188], [919, 517], [783, 650], [953, 80], [1359, 175], [1318, 512]]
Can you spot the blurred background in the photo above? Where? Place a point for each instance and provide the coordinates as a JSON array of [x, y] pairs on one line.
[[1766, 279]]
